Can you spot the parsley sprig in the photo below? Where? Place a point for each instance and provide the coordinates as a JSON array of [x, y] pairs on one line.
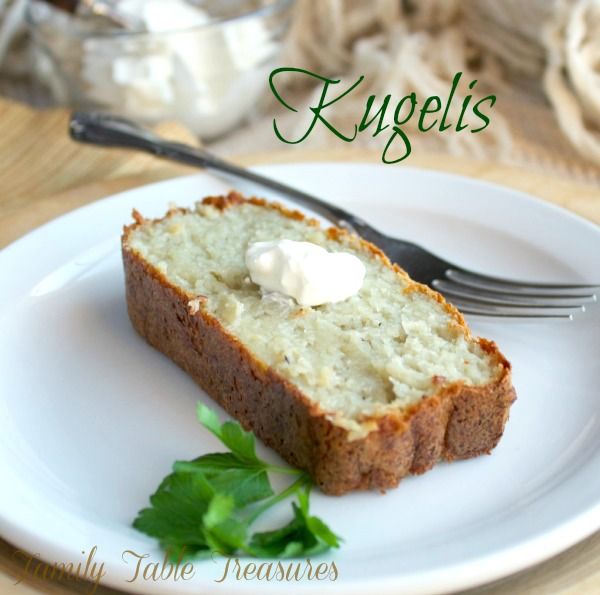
[[209, 504]]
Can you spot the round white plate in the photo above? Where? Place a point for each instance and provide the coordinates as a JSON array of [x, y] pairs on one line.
[[92, 417]]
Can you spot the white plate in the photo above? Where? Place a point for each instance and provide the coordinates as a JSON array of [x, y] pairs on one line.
[[92, 417]]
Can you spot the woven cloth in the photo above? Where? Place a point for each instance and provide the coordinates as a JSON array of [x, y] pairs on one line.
[[541, 58]]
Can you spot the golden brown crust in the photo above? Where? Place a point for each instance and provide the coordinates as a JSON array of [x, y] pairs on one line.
[[457, 422]]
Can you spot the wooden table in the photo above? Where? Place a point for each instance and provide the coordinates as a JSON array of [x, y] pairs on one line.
[[43, 174]]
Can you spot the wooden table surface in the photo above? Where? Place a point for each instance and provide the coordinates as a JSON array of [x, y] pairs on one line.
[[43, 174]]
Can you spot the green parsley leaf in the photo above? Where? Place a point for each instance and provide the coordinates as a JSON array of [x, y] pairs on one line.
[[320, 530], [246, 483], [219, 510], [217, 462], [315, 524], [230, 433], [223, 532], [208, 504], [304, 535], [176, 515]]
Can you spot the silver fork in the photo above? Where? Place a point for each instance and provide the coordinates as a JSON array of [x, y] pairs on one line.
[[473, 293]]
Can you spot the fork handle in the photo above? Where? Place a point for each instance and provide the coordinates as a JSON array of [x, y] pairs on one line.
[[112, 131]]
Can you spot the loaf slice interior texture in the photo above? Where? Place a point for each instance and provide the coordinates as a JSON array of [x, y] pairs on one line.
[[359, 392]]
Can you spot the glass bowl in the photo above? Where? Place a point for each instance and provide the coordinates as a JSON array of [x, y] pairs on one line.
[[209, 76]]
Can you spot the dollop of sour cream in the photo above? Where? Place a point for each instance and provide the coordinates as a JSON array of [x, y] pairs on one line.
[[305, 271]]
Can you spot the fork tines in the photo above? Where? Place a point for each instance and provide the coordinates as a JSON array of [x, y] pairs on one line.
[[482, 295]]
